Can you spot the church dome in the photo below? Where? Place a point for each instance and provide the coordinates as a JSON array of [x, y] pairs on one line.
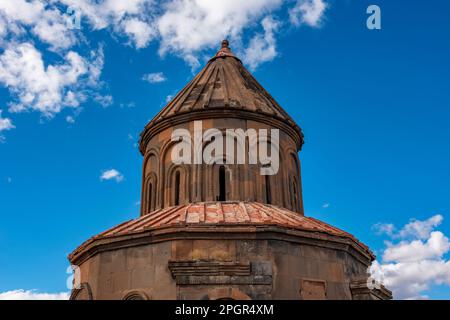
[[223, 229]]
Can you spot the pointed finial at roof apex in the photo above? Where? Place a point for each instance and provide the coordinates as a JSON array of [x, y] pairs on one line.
[[224, 51], [225, 44]]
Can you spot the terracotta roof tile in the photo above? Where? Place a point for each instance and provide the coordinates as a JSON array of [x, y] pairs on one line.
[[227, 213]]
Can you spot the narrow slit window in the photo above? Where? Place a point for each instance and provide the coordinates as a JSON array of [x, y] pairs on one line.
[[222, 184], [268, 194], [177, 188]]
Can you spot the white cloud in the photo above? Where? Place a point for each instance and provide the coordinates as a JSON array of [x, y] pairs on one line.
[[414, 229], [183, 27], [187, 26], [5, 123], [411, 280], [384, 228], [420, 229], [48, 20], [111, 174], [154, 77], [127, 105], [131, 18], [140, 32], [21, 10], [44, 21], [70, 119], [326, 205], [417, 262], [47, 89], [104, 101], [21, 294], [102, 14], [406, 251], [309, 12], [262, 47], [169, 97], [52, 28]]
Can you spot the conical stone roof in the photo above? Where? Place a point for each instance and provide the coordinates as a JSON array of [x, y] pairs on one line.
[[224, 87]]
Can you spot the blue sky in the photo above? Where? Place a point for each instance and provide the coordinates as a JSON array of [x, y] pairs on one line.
[[373, 105]]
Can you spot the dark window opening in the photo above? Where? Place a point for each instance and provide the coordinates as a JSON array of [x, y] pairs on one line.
[[177, 188], [222, 184], [268, 194]]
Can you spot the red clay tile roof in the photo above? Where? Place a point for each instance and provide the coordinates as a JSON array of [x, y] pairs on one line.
[[224, 214]]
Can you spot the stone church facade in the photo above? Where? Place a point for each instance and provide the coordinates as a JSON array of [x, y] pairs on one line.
[[223, 231]]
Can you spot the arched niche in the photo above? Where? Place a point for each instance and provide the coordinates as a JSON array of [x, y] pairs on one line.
[[219, 177], [136, 295], [150, 193], [177, 190], [268, 185], [149, 198]]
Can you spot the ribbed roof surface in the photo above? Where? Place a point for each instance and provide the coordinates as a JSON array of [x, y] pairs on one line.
[[223, 213], [223, 83]]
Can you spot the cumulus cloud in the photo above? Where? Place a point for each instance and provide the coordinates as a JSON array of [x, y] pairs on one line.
[[187, 26], [182, 27], [21, 294], [262, 47], [409, 251], [5, 123], [421, 229], [413, 229], [417, 261], [111, 174], [47, 89], [309, 12], [101, 14], [42, 20], [140, 32], [154, 77], [131, 18]]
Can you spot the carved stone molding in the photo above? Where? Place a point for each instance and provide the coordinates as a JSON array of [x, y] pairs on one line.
[[220, 273], [84, 292], [361, 291]]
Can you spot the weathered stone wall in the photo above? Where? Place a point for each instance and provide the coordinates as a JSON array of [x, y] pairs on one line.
[[200, 183], [233, 269]]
